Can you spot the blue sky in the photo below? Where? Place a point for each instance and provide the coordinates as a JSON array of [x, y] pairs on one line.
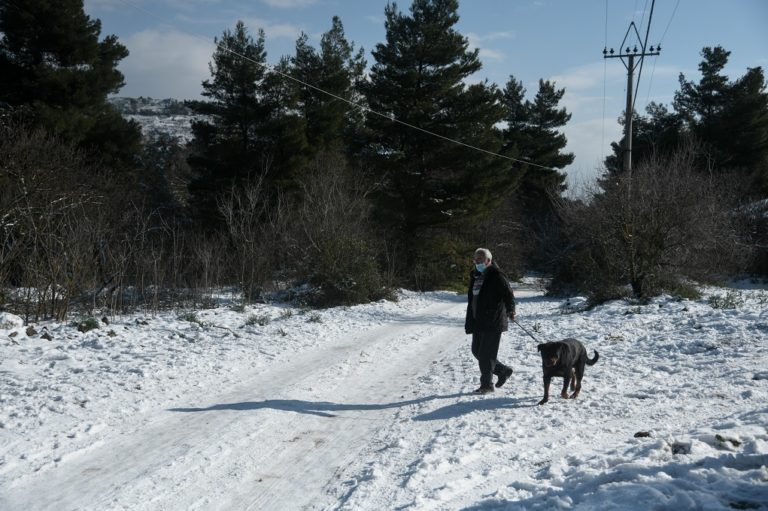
[[561, 40]]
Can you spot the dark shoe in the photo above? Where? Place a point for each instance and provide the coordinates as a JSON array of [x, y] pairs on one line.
[[503, 377], [483, 390]]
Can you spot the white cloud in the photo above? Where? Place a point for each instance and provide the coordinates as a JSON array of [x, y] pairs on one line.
[[478, 41], [475, 40], [197, 20], [378, 19], [488, 54], [288, 4], [585, 87], [165, 64], [590, 141], [115, 4], [588, 77], [272, 30], [507, 34], [91, 6]]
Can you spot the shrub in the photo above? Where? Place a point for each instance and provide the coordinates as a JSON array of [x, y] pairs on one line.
[[731, 300], [237, 307], [258, 319], [444, 263], [256, 221], [651, 229], [190, 316], [87, 324], [685, 291], [333, 246]]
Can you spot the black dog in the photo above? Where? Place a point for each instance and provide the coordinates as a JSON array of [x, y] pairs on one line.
[[564, 358]]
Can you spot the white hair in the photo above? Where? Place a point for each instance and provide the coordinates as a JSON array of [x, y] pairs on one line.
[[486, 253]]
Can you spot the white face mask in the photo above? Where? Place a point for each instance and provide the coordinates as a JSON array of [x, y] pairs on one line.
[[480, 267]]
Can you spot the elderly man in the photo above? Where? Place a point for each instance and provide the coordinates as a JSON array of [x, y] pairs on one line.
[[491, 304]]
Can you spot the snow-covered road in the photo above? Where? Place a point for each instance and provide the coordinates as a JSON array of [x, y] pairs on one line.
[[370, 408], [277, 441]]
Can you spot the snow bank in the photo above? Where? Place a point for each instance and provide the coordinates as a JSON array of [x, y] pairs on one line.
[[10, 321], [673, 416]]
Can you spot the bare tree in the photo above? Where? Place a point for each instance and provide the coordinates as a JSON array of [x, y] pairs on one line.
[[650, 229], [48, 225], [256, 222], [332, 242]]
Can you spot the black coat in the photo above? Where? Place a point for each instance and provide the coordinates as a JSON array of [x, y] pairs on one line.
[[495, 301]]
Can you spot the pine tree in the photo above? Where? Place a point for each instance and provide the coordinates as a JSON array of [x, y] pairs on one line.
[[748, 117], [532, 135], [532, 129], [337, 69], [284, 129], [428, 185], [224, 149], [660, 132], [731, 118], [54, 70], [701, 103], [516, 117], [251, 129]]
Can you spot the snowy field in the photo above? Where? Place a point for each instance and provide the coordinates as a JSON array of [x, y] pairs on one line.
[[370, 408]]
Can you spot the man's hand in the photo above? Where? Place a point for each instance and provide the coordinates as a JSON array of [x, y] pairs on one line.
[[511, 316]]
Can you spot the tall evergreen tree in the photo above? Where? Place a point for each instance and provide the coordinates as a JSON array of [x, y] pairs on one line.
[[532, 135], [337, 69], [251, 130], [516, 117], [285, 142], [731, 118], [701, 103], [55, 70], [658, 132], [224, 149], [428, 185]]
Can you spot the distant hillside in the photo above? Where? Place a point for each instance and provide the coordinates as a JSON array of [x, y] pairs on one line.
[[149, 106], [158, 117]]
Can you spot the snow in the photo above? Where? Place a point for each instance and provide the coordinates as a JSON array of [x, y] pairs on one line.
[[8, 320], [370, 407], [178, 127]]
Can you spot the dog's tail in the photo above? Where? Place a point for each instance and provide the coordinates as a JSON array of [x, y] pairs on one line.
[[591, 361]]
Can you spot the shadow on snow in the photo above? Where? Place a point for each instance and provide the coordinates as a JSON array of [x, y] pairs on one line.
[[326, 409]]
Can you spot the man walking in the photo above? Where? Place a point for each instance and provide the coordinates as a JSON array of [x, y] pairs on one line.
[[491, 304]]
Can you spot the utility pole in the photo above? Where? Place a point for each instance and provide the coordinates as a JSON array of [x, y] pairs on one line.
[[631, 54]]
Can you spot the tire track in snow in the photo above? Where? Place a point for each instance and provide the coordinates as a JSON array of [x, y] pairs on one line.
[[273, 443]]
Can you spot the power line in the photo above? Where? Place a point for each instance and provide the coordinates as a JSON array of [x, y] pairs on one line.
[[642, 60], [645, 9], [650, 83], [677, 4], [364, 108], [661, 39]]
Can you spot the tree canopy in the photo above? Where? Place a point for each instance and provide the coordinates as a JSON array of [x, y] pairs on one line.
[[429, 185], [56, 72]]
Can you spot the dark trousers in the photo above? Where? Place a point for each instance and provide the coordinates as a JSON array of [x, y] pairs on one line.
[[485, 348]]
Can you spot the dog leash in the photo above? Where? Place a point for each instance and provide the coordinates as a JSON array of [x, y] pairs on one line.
[[525, 330]]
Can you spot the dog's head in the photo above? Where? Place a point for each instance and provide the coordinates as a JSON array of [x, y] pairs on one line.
[[550, 353]]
